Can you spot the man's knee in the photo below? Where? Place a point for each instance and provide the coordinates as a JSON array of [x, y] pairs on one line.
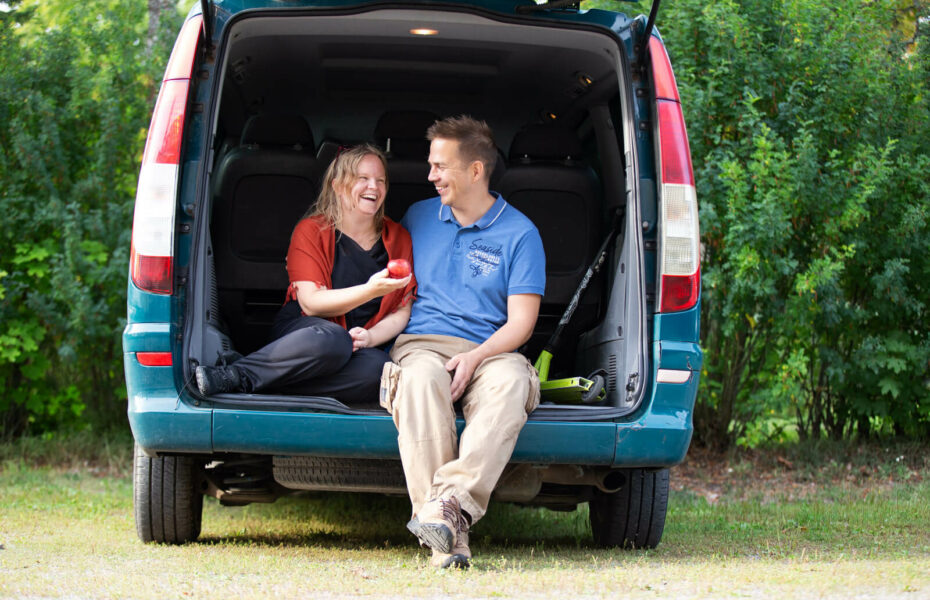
[[423, 398], [509, 372], [508, 385], [423, 371]]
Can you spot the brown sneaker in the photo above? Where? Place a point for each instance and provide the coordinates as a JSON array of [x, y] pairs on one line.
[[437, 523], [458, 558]]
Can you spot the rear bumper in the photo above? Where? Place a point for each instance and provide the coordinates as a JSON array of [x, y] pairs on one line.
[[164, 421], [659, 437], [161, 419]]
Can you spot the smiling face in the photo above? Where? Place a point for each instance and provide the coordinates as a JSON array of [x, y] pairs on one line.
[[455, 179], [364, 192]]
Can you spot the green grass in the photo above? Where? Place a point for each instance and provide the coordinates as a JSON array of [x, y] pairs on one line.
[[107, 452], [68, 531]]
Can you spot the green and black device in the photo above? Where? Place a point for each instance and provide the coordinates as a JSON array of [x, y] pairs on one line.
[[574, 390]]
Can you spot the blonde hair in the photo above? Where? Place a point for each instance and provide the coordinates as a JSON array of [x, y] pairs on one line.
[[343, 171]]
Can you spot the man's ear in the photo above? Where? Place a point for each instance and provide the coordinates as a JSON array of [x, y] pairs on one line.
[[477, 170]]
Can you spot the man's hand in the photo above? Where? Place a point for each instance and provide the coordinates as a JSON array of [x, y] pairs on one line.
[[464, 366], [522, 310], [361, 338]]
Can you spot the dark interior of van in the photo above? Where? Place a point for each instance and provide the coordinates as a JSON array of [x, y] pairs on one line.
[[296, 90]]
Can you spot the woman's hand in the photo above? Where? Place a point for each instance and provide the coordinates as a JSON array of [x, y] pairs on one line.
[[387, 328], [361, 338], [321, 302], [381, 284]]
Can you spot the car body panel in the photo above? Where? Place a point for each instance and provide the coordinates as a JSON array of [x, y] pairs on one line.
[[161, 421], [166, 416], [376, 437]]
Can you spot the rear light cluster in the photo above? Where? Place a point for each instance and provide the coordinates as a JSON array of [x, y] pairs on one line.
[[154, 359], [152, 254], [679, 242]]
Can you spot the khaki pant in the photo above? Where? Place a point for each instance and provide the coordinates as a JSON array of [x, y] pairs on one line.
[[416, 391]]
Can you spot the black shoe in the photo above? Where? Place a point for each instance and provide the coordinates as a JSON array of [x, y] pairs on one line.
[[216, 380], [228, 357]]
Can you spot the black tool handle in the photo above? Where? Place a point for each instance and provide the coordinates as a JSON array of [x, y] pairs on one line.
[[576, 297]]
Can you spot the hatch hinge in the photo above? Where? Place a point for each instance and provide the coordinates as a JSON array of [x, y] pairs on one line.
[[643, 44], [206, 7]]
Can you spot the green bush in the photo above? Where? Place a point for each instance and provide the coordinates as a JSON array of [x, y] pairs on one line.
[[809, 125], [77, 84]]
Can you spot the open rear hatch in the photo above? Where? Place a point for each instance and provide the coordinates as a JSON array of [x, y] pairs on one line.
[[295, 84]]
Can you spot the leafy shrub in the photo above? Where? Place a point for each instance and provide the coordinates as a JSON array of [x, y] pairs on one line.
[[76, 90], [809, 125]]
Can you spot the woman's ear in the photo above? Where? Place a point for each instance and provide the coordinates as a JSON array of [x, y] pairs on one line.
[[338, 189]]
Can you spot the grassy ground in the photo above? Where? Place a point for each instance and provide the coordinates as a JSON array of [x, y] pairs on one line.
[[851, 524]]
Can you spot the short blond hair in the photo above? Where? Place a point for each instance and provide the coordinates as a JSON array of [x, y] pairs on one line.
[[343, 170]]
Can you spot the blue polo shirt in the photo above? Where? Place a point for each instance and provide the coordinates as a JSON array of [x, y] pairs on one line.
[[464, 274]]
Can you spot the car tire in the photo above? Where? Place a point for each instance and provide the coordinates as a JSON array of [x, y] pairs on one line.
[[634, 516], [167, 498]]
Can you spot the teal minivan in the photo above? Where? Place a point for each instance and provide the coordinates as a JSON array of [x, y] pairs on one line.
[[257, 99]]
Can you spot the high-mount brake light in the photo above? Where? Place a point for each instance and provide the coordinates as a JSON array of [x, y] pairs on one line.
[[152, 253], [679, 232]]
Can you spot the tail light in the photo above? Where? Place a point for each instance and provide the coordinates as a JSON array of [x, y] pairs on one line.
[[152, 254], [679, 234], [154, 359]]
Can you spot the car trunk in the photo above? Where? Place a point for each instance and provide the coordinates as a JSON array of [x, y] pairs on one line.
[[296, 85]]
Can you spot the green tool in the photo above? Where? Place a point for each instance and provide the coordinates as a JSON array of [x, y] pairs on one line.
[[574, 390]]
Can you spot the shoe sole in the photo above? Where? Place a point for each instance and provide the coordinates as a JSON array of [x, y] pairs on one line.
[[434, 535], [455, 561], [201, 381]]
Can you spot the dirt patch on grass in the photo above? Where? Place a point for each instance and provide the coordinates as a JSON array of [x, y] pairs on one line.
[[797, 472]]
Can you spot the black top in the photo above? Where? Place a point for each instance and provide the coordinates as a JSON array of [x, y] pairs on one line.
[[352, 265]]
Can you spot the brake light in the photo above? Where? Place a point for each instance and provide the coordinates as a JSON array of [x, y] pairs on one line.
[[154, 359], [679, 232], [152, 254], [662, 75], [673, 138]]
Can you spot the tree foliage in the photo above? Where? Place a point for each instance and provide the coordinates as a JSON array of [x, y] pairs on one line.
[[76, 92], [809, 126], [810, 134]]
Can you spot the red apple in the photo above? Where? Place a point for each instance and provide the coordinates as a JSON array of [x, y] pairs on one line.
[[398, 268]]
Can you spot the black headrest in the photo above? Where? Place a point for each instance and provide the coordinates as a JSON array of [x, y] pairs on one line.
[[545, 142], [290, 131], [402, 133]]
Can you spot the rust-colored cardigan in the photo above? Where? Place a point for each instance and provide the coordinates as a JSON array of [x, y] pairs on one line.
[[311, 255]]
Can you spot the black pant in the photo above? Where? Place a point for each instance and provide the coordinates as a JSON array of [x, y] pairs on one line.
[[311, 356]]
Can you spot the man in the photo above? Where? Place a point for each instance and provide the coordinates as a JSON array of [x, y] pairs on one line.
[[480, 272]]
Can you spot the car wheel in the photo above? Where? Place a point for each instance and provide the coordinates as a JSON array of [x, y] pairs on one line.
[[634, 516], [167, 498]]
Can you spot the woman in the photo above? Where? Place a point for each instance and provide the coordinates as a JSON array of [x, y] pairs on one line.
[[341, 303]]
